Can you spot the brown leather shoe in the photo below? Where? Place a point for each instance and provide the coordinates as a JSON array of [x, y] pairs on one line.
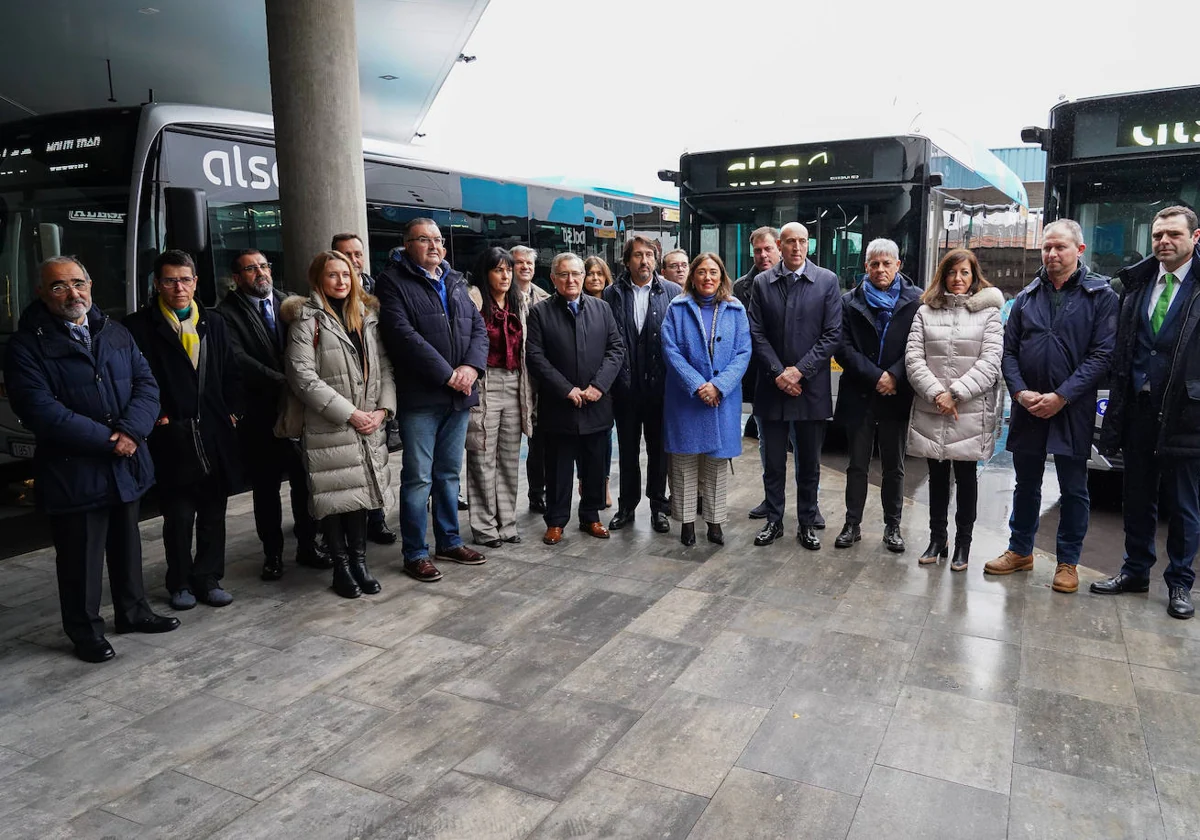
[[595, 529], [553, 536], [461, 554], [422, 570], [1009, 562], [1066, 578]]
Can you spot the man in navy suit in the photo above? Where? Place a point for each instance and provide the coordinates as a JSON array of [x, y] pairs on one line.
[[1153, 412]]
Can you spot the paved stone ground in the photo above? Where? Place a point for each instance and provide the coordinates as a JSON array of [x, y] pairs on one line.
[[629, 688]]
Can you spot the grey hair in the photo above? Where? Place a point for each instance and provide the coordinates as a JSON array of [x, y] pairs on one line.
[[62, 260], [882, 248], [763, 233], [1068, 226], [563, 257], [518, 250]]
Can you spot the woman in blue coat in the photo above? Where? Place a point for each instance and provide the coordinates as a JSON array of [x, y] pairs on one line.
[[706, 344]]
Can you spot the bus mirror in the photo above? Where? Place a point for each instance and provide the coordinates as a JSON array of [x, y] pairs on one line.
[[187, 219], [671, 176], [935, 179], [50, 238], [1034, 134]]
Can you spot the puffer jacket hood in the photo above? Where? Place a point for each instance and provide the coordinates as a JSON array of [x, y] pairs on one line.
[[956, 344]]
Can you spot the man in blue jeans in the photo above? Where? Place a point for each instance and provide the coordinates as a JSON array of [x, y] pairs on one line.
[[1058, 342], [438, 346]]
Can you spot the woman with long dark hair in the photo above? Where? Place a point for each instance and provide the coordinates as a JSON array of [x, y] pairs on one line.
[[953, 359], [505, 409], [337, 368]]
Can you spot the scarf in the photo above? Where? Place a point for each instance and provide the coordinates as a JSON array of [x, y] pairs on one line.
[[883, 304], [185, 329]]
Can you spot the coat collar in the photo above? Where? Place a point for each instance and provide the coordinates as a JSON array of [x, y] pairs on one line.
[[625, 282], [1140, 274], [779, 271], [1089, 281], [856, 298]]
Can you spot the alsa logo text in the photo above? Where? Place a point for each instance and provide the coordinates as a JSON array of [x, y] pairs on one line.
[[226, 170]]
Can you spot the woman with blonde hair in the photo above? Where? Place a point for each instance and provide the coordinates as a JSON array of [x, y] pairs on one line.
[[953, 360], [337, 369]]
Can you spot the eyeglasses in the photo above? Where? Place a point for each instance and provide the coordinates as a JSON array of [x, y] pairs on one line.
[[60, 289], [427, 240], [708, 272], [262, 266], [176, 281], [569, 275]]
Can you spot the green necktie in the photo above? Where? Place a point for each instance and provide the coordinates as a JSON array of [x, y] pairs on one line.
[[1164, 303]]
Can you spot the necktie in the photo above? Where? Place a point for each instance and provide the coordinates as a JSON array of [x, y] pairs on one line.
[[573, 305], [1164, 303], [83, 335], [268, 313]]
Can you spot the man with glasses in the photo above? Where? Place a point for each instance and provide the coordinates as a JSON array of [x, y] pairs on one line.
[[675, 266], [258, 336], [438, 345], [194, 444], [76, 380]]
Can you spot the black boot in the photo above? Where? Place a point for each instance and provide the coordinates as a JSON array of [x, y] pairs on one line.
[[687, 533], [962, 554], [937, 550], [356, 545], [715, 535], [335, 542], [272, 567]]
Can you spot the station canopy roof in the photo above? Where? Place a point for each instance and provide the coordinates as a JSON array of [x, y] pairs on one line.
[[214, 52]]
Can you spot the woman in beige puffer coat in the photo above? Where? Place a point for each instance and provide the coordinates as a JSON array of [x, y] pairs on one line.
[[953, 361], [339, 372]]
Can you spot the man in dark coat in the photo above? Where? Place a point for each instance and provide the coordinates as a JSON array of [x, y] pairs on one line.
[[1057, 345], [193, 444], [639, 300], [795, 325], [77, 381], [438, 345], [351, 245], [873, 395], [1153, 414], [574, 352], [257, 334]]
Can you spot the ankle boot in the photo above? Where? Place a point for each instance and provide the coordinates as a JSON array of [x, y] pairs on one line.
[[335, 540], [343, 581], [715, 534], [936, 551], [687, 533], [356, 545], [962, 554]]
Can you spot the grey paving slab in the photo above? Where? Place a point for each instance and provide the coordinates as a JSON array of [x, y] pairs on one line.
[[982, 669], [1074, 645], [73, 719], [314, 807], [900, 804], [1050, 806], [396, 678], [466, 582], [1156, 650], [631, 670], [747, 669], [820, 739], [462, 807], [738, 574], [772, 622], [594, 616], [889, 573], [1083, 614], [892, 616], [1171, 722], [1102, 680], [849, 665], [1162, 680], [495, 617], [386, 624], [23, 584], [1066, 734], [551, 747], [287, 676], [818, 573], [38, 614], [1138, 612], [758, 806], [522, 672], [685, 741], [11, 761], [171, 805], [971, 612], [953, 738], [94, 824], [1178, 802], [271, 755], [410, 751], [606, 805], [687, 616]]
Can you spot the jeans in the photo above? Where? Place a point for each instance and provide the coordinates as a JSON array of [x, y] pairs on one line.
[[967, 482], [1027, 504], [434, 442]]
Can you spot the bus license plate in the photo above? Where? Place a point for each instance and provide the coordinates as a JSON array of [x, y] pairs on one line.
[[22, 450]]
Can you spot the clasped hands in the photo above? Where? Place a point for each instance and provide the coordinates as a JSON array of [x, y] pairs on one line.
[[366, 423], [1043, 406], [123, 444], [463, 378], [587, 395], [789, 381], [709, 394]]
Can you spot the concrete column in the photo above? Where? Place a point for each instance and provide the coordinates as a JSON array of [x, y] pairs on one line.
[[313, 52]]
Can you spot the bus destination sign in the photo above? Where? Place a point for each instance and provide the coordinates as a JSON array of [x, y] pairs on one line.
[[1150, 133], [793, 166]]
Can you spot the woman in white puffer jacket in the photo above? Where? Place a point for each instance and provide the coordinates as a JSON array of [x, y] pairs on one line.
[[953, 361]]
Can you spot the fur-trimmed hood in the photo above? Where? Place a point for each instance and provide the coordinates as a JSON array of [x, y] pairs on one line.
[[991, 297], [292, 308]]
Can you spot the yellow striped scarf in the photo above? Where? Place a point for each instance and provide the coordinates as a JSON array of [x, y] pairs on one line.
[[186, 329]]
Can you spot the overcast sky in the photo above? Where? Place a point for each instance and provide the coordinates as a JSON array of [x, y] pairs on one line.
[[614, 90]]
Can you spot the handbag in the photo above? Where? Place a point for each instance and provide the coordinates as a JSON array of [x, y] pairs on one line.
[[180, 441]]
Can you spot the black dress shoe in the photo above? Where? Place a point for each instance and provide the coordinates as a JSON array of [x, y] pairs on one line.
[[95, 651], [769, 533], [462, 503], [311, 556], [759, 511], [493, 543], [272, 567], [153, 624], [660, 523], [1179, 604], [715, 535], [379, 532], [687, 533], [849, 536], [1119, 583], [935, 551], [514, 539], [807, 537], [620, 520], [537, 504], [892, 539]]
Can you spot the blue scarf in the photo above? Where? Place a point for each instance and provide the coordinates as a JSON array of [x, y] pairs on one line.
[[883, 304]]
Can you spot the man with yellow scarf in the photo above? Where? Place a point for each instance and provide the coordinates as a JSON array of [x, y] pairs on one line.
[[193, 443]]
